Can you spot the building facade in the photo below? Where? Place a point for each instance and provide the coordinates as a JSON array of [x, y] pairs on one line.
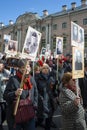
[[50, 25]]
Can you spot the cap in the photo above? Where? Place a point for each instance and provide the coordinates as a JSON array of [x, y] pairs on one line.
[[21, 62]]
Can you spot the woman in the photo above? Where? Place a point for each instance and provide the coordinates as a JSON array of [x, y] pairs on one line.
[[45, 106], [13, 90], [71, 107], [4, 76]]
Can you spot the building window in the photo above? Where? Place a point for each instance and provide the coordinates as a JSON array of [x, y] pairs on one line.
[[43, 29], [64, 25], [64, 42], [85, 40], [26, 30], [55, 27], [84, 21]]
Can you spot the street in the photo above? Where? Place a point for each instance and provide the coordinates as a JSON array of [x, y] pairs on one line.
[[56, 119]]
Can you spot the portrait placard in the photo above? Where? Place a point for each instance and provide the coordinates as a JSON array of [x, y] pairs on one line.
[[59, 45], [43, 50], [31, 44], [11, 47], [78, 62], [77, 35], [7, 37]]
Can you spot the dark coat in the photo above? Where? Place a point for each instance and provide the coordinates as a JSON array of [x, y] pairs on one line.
[[9, 96], [83, 87], [44, 97]]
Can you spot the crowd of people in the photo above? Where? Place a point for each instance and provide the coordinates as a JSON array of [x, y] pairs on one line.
[[47, 90]]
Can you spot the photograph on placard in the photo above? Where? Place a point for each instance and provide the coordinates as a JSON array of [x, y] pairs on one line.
[[59, 45], [78, 62], [7, 38], [31, 44], [11, 47], [43, 50], [77, 35]]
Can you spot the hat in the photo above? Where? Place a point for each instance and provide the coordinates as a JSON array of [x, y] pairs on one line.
[[45, 66], [34, 34], [40, 62], [21, 63]]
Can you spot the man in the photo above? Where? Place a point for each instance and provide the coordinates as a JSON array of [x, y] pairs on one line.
[[75, 33], [31, 44], [11, 46], [59, 46], [78, 61], [68, 63], [4, 76]]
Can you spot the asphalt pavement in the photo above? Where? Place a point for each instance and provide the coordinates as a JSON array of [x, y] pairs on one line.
[[57, 118]]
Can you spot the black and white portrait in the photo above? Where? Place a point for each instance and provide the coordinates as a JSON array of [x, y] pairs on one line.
[[75, 33], [59, 46], [80, 36], [78, 60], [31, 43], [12, 46], [43, 51]]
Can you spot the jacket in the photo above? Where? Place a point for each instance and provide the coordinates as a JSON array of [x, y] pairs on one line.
[[73, 116], [3, 76], [9, 95], [44, 96]]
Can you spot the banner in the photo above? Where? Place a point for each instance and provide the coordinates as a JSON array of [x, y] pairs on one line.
[[7, 37], [11, 47], [59, 45], [31, 44], [77, 62], [77, 35]]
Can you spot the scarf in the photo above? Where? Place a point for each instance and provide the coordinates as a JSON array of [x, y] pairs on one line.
[[72, 88], [26, 83]]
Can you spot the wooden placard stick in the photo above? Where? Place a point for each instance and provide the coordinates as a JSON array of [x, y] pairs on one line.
[[21, 86]]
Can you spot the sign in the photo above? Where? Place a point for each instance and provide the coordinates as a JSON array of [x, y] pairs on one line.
[[59, 45], [77, 62], [77, 35], [31, 44], [11, 47], [7, 37]]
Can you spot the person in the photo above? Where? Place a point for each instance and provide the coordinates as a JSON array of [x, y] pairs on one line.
[[75, 33], [13, 90], [31, 44], [83, 85], [59, 46], [68, 63], [45, 98], [73, 114], [78, 60], [4, 76], [11, 46], [80, 36]]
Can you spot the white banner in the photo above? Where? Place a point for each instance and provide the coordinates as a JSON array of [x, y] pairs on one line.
[[31, 44]]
